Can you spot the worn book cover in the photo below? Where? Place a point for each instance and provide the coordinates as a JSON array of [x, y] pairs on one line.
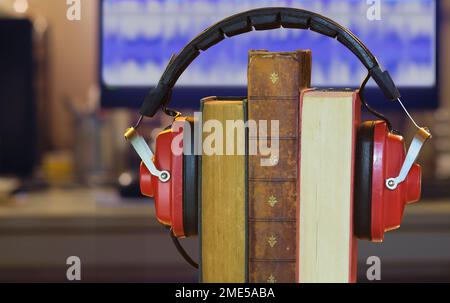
[[327, 247], [274, 82]]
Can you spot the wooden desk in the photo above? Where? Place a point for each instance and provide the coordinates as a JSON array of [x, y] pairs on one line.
[[116, 240], [120, 240], [417, 252]]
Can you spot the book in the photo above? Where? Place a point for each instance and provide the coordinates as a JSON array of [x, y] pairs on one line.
[[327, 247], [223, 205], [274, 82]]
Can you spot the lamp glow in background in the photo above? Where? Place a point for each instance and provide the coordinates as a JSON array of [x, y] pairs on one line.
[[125, 179], [21, 6]]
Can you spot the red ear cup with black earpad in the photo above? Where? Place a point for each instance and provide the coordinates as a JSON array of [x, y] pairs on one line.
[[378, 209], [175, 200]]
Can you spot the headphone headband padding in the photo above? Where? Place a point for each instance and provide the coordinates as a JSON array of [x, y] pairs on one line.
[[262, 19]]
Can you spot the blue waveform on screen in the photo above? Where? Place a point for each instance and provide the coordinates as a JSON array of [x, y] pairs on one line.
[[139, 37]]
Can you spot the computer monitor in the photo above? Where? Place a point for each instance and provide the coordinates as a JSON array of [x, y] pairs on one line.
[[138, 38]]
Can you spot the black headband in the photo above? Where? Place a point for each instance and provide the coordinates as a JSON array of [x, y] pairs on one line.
[[263, 19]]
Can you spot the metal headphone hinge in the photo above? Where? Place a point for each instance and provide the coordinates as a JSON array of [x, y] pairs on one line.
[[413, 152], [145, 153]]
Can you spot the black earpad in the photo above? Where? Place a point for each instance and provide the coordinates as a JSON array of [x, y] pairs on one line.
[[362, 210], [190, 188]]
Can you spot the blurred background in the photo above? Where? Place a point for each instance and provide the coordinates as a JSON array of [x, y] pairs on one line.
[[69, 88]]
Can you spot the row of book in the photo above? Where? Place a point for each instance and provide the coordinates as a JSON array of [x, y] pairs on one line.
[[256, 225]]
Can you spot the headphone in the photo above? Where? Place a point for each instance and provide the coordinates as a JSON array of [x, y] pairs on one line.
[[386, 178]]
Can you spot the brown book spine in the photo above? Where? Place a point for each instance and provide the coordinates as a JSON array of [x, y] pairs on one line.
[[274, 83]]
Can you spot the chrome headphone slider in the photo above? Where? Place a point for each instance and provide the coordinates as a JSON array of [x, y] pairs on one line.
[[419, 140], [145, 153]]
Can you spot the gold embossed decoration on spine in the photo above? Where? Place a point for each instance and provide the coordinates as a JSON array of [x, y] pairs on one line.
[[274, 82]]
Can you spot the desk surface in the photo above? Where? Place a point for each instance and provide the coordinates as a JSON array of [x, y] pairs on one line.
[[121, 240], [118, 240], [60, 203]]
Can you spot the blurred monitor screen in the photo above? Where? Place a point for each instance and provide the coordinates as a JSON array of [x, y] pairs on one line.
[[138, 38]]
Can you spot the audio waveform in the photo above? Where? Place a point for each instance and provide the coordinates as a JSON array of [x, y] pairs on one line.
[[139, 36]]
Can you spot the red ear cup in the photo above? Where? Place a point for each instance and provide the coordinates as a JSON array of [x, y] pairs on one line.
[[175, 200], [377, 208], [389, 155], [146, 181], [168, 195], [414, 184]]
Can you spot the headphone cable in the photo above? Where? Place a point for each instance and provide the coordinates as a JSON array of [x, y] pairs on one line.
[[182, 251], [368, 107]]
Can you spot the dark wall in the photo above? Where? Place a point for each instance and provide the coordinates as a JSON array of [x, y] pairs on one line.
[[17, 131]]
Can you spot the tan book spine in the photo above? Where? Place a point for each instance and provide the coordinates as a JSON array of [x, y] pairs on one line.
[[274, 82], [223, 202]]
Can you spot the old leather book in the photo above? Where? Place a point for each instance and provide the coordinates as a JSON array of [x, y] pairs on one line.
[[274, 82], [326, 250], [223, 205]]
